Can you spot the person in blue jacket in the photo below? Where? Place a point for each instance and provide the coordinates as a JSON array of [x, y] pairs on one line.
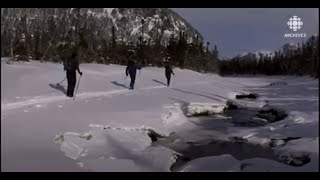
[[132, 71]]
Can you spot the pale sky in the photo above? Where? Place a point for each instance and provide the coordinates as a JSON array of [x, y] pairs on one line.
[[237, 30]]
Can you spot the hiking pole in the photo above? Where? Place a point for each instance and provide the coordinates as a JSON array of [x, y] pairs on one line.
[[125, 80], [62, 80], [75, 93]]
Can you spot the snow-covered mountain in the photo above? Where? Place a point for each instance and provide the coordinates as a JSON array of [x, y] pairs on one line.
[[256, 54], [289, 47], [293, 46], [129, 23], [264, 53]]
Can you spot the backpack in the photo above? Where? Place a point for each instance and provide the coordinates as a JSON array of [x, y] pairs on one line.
[[64, 61], [138, 67], [68, 64]]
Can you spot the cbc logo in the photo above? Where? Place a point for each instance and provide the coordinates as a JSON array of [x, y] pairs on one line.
[[295, 23]]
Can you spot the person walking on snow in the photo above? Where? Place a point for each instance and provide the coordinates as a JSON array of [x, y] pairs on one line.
[[168, 72], [71, 65], [132, 71]]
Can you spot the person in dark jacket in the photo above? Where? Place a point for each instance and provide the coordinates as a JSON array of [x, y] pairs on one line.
[[168, 72], [71, 66], [132, 71]]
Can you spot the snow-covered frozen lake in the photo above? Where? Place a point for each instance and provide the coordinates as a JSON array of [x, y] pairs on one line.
[[153, 128]]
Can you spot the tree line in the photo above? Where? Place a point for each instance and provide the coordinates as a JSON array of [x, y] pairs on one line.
[[51, 36], [302, 59]]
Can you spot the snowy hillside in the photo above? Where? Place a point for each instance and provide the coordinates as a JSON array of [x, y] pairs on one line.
[[128, 24], [202, 122]]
